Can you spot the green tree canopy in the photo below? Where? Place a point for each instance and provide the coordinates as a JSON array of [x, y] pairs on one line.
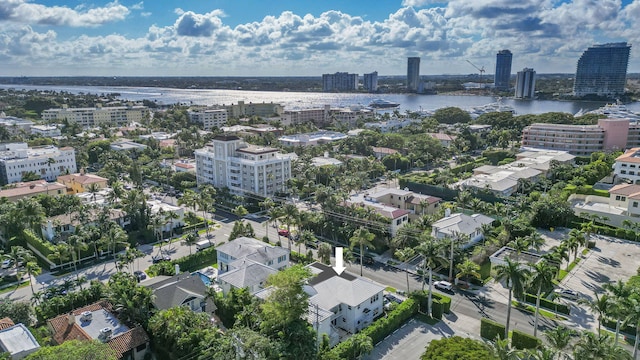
[[75, 349], [456, 348]]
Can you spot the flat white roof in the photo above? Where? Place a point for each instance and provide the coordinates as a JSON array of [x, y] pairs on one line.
[[18, 339]]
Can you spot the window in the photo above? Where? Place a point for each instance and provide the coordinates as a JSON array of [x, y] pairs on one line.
[[635, 204]]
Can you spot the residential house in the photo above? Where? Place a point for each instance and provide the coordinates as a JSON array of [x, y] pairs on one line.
[[339, 305], [81, 182], [180, 290], [622, 204], [158, 207], [127, 145], [16, 340], [32, 188], [97, 322], [251, 249], [397, 218], [627, 166], [445, 139], [454, 225], [416, 204], [67, 223], [380, 152], [245, 274]]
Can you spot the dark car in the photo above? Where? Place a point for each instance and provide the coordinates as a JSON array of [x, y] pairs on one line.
[[160, 258], [140, 275], [368, 260], [283, 232]]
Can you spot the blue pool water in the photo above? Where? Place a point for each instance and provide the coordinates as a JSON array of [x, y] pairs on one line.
[[203, 277]]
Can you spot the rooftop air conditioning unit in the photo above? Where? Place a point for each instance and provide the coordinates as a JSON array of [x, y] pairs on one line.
[[105, 333], [86, 316]]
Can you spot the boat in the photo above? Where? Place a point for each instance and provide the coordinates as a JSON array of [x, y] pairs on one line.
[[383, 104], [498, 106], [616, 111]]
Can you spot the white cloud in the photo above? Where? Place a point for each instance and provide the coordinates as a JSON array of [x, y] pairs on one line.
[[21, 11], [138, 6], [543, 34]]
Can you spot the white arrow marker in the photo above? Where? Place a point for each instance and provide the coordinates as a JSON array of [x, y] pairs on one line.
[[339, 268]]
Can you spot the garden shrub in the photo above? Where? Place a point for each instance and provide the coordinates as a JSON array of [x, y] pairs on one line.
[[436, 309], [445, 301], [520, 340], [490, 329], [548, 304]]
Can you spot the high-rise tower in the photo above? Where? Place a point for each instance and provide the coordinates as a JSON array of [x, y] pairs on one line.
[[503, 70], [413, 74], [602, 70], [526, 84], [371, 81]]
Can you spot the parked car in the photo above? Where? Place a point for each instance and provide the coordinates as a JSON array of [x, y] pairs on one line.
[[567, 294], [443, 285], [7, 263], [283, 232], [160, 258], [140, 275]]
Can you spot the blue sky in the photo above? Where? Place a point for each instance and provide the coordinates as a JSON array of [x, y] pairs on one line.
[[302, 37]]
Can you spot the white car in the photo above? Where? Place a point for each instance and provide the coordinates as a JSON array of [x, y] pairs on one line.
[[6, 264], [568, 294], [443, 285]]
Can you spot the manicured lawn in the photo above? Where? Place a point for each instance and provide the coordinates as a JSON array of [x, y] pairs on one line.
[[532, 309], [14, 287], [390, 289]]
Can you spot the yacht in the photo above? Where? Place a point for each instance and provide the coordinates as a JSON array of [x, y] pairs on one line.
[[383, 104], [498, 106], [616, 111]]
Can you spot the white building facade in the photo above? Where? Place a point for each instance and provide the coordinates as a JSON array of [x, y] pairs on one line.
[[47, 162], [230, 162], [89, 117], [209, 118]]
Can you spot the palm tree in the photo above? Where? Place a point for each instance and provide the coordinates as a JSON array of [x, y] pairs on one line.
[[541, 277], [156, 224], [116, 237], [633, 318], [519, 244], [405, 255], [170, 217], [290, 217], [455, 240], [515, 276], [33, 270], [274, 214], [598, 347], [576, 238], [362, 237], [467, 269], [117, 191], [632, 225], [93, 189], [431, 252], [32, 212], [190, 239], [559, 337], [17, 255], [324, 253], [502, 350], [536, 241], [619, 292], [598, 306]]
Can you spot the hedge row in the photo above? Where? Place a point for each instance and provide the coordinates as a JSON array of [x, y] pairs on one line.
[[490, 329], [468, 166], [445, 301], [520, 340], [422, 297], [436, 309], [548, 304], [379, 329], [585, 190], [611, 324], [44, 247]]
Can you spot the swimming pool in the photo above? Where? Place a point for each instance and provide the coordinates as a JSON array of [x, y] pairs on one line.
[[205, 279]]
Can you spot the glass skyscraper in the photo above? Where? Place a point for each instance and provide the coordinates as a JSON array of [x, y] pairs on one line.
[[526, 84], [602, 70], [413, 73], [503, 70]]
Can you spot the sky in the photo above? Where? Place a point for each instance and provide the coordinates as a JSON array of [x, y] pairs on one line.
[[304, 37]]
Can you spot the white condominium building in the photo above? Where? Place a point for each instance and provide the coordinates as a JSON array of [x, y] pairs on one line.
[[48, 162], [89, 117], [230, 162], [209, 118]]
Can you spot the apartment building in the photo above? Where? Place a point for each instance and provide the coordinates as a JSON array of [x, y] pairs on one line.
[[340, 81], [15, 125], [627, 166], [90, 117], [45, 130], [622, 204], [312, 139], [606, 135], [253, 109], [602, 70], [209, 118], [326, 115], [230, 162], [48, 162]]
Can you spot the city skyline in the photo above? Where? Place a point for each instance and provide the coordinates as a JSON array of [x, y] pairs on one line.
[[303, 38]]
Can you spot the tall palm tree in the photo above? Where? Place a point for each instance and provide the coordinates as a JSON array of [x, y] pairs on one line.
[[619, 293], [633, 318], [33, 270], [274, 214], [171, 217], [575, 239], [362, 237], [502, 350], [32, 212], [541, 277], [432, 254], [536, 241], [290, 217], [599, 306], [93, 189], [116, 237], [598, 347], [117, 191], [190, 239], [515, 277], [405, 255]]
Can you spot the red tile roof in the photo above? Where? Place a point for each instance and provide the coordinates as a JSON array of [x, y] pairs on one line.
[[630, 156], [128, 340], [6, 323], [82, 178]]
